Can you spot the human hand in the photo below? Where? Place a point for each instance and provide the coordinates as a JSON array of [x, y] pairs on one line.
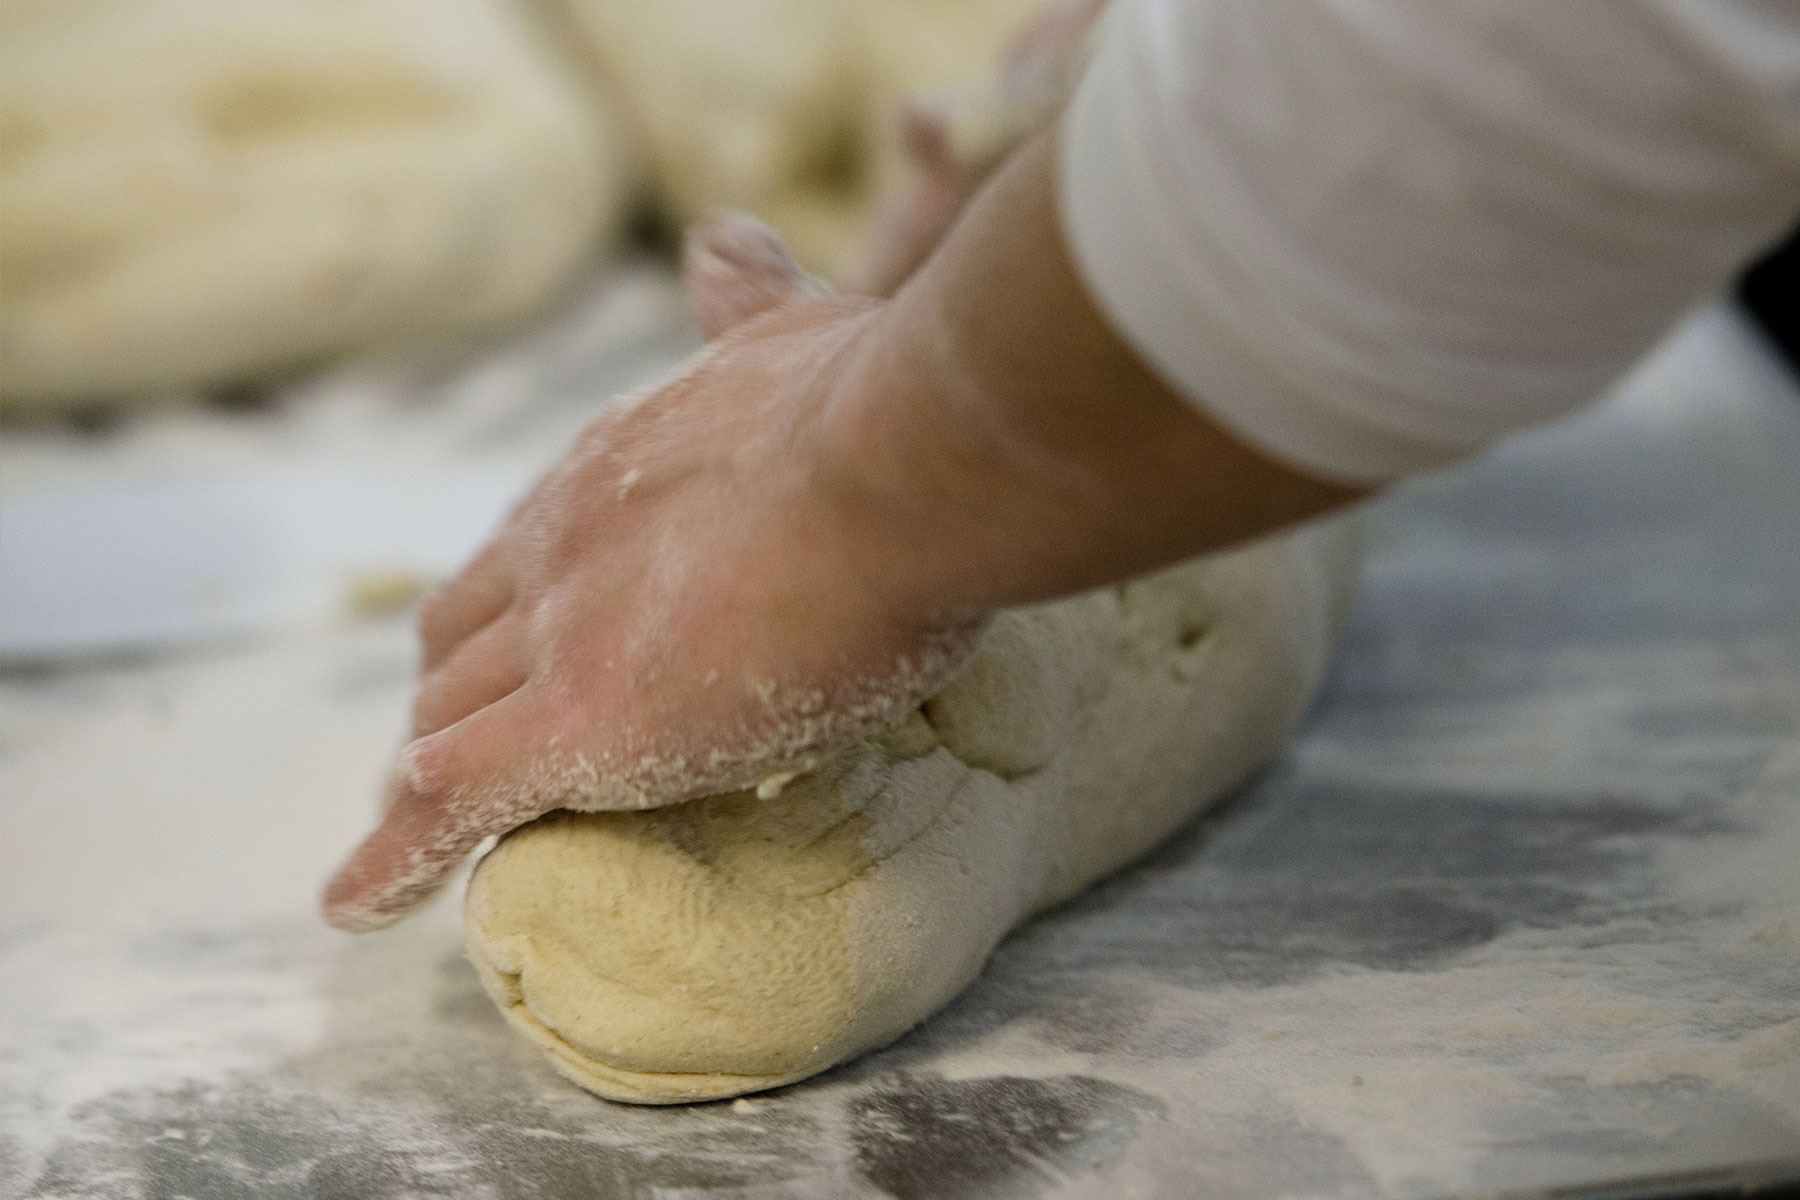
[[954, 141], [686, 604]]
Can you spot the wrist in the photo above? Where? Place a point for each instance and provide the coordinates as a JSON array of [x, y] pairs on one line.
[[902, 473], [963, 450]]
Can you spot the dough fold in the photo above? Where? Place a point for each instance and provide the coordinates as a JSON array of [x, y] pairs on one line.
[[731, 945]]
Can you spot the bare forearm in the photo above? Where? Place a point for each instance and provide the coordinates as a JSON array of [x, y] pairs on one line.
[[1014, 447]]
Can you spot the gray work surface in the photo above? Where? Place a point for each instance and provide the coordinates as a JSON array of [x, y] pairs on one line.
[[1518, 910]]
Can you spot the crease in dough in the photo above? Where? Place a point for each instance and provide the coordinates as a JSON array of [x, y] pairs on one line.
[[204, 192]]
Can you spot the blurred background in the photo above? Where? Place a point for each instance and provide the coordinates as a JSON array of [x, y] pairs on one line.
[[295, 294]]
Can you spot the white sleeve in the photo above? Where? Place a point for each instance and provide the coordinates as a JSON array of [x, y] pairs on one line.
[[1372, 237]]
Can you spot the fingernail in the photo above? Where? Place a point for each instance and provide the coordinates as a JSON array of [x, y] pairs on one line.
[[351, 908]]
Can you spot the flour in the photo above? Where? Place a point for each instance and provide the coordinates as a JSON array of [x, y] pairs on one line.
[[1416, 1070], [1516, 909], [1421, 1070]]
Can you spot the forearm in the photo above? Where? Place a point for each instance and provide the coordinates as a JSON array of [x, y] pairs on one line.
[[1004, 444]]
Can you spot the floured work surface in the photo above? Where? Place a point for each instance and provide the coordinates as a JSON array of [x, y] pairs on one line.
[[1519, 910]]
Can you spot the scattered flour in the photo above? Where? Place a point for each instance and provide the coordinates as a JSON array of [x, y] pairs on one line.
[[1523, 984]]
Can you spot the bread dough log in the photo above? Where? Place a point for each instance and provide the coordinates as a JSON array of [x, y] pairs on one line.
[[195, 190], [787, 109], [734, 944]]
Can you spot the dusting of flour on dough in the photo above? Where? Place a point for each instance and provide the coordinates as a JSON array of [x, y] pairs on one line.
[[818, 916]]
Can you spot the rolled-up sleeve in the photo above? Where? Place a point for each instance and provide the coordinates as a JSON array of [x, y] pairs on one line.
[[1373, 237]]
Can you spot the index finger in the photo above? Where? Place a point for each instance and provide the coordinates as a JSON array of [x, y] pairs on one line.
[[481, 591], [453, 789]]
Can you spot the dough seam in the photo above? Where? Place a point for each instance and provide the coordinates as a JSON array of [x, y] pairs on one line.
[[565, 1052], [515, 978]]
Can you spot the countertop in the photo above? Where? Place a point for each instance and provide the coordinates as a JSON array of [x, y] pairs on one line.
[[1518, 910]]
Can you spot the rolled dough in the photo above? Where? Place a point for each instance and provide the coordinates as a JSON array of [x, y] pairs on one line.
[[735, 944]]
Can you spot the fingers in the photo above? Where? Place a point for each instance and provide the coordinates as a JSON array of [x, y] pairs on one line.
[[905, 235], [453, 789], [488, 666], [925, 135], [478, 594], [735, 268], [1054, 43], [911, 225]]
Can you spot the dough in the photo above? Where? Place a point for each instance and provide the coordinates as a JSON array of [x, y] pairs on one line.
[[786, 108], [202, 191], [735, 944], [198, 190]]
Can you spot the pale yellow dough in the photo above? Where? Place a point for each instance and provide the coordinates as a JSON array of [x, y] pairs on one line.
[[198, 192], [735, 944], [786, 108]]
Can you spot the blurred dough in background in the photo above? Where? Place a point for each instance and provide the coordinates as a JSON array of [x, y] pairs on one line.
[[787, 108], [199, 192]]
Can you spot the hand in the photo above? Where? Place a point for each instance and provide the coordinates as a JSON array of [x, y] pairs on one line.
[[685, 605], [794, 542], [953, 142]]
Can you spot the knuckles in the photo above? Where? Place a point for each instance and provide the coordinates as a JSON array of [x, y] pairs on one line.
[[433, 623], [427, 706], [424, 769]]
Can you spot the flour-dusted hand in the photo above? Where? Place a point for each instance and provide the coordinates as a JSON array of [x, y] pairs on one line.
[[954, 140], [797, 539], [685, 605]]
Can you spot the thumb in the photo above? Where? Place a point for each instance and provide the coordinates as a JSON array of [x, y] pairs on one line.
[[451, 790], [734, 268]]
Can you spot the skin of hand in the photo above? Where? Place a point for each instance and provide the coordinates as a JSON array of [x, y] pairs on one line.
[[953, 143], [680, 607], [1026, 446], [797, 539]]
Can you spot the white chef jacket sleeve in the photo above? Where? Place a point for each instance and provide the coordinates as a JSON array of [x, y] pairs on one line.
[[1372, 237]]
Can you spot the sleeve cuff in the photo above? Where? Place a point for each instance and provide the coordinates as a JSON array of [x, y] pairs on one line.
[[1151, 261]]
